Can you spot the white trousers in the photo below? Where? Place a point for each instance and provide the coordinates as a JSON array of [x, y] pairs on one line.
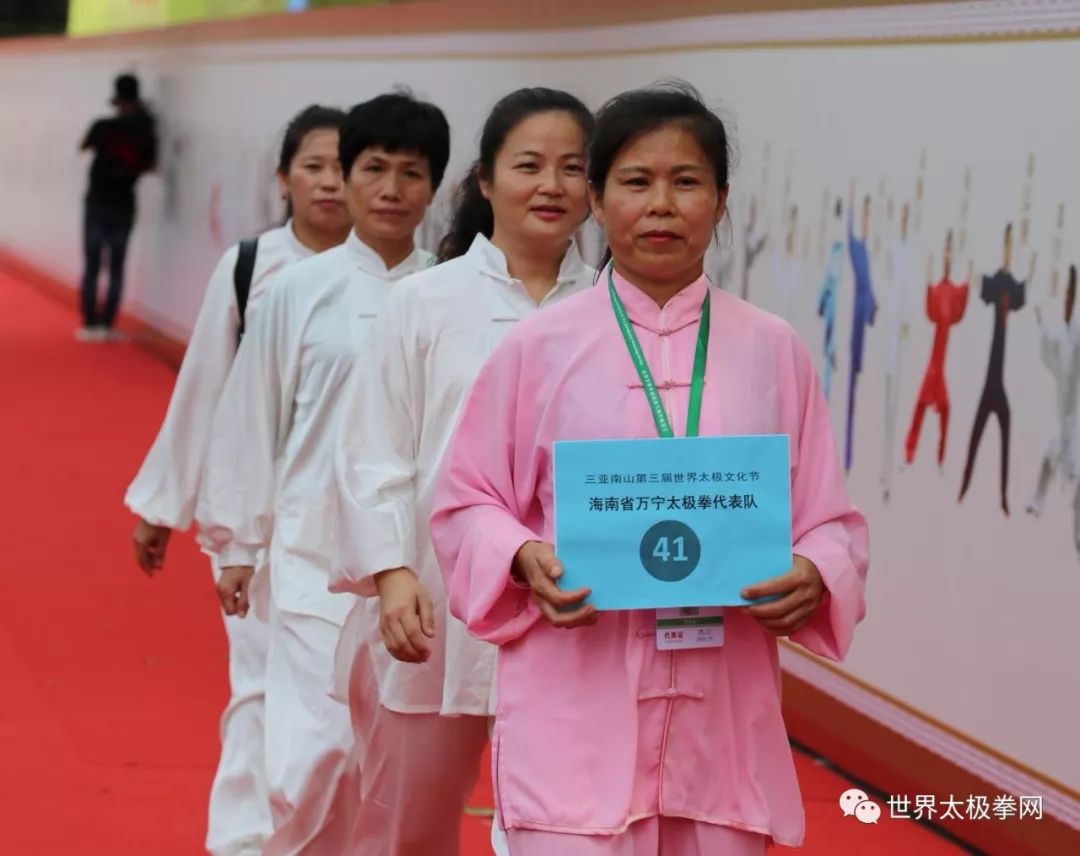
[[309, 758], [239, 812]]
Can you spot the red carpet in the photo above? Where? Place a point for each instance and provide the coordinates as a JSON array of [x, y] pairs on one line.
[[112, 683]]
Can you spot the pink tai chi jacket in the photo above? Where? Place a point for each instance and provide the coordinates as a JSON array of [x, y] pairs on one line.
[[595, 727]]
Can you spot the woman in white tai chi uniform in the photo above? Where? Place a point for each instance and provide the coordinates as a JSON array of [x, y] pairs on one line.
[[164, 492], [269, 473], [510, 252]]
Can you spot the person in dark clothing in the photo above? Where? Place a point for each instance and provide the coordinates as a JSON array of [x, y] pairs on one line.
[[124, 147], [1004, 294]]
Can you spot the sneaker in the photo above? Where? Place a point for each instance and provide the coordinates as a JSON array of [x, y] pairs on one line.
[[112, 335], [91, 334]]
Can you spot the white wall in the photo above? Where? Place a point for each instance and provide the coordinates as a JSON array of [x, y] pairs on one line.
[[971, 614], [222, 122]]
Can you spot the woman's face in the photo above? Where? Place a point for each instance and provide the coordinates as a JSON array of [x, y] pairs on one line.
[[388, 194], [659, 207], [537, 189], [313, 184]]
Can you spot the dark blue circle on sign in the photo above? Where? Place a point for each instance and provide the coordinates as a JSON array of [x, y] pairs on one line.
[[670, 551]]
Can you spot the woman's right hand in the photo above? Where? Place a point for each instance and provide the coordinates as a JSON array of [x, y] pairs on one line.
[[537, 565], [150, 543], [406, 615]]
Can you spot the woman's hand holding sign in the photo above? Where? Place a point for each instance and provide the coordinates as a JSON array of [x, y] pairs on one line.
[[798, 594], [536, 565]]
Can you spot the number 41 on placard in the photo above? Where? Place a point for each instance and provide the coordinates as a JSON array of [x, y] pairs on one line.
[[670, 551], [661, 551]]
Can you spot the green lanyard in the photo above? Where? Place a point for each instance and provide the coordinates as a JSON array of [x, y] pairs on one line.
[[701, 355]]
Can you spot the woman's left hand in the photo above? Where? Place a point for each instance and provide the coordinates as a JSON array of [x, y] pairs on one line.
[[800, 593], [232, 588]]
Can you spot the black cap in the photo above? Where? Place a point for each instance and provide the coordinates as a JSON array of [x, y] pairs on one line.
[[125, 89]]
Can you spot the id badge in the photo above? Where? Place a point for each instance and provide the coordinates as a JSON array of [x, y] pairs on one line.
[[689, 627]]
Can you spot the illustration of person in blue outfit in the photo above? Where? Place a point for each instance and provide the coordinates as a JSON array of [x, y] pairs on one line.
[[826, 309], [864, 311]]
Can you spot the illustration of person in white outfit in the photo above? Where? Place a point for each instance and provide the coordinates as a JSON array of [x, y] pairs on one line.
[[788, 268], [1060, 350], [755, 238], [896, 333]]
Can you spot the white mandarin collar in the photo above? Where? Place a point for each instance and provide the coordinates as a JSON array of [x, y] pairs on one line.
[[369, 261], [490, 260], [293, 242]]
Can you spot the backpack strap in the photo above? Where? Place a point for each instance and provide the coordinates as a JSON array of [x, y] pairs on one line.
[[242, 274]]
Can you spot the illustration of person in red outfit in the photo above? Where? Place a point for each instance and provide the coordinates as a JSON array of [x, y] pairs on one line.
[[945, 305]]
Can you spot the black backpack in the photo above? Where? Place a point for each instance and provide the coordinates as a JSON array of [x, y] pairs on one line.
[[242, 274]]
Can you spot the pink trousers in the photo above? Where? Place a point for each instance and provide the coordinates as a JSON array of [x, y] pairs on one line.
[[654, 836], [418, 772]]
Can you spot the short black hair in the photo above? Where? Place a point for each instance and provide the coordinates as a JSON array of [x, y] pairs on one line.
[[397, 122], [126, 89]]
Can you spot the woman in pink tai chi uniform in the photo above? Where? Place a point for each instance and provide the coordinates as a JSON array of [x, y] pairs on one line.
[[604, 744]]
